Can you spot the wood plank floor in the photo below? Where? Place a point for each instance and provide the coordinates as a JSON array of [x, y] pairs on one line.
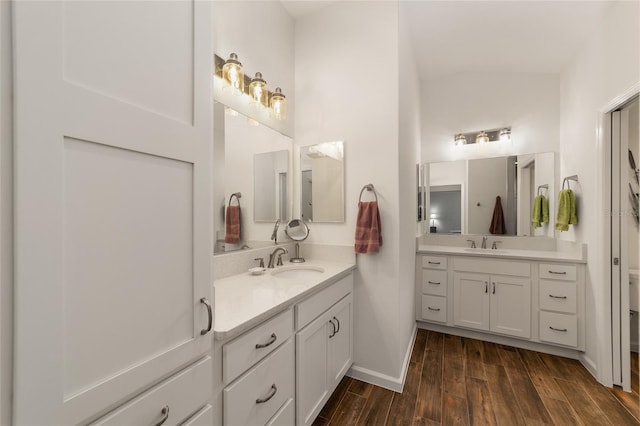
[[455, 380]]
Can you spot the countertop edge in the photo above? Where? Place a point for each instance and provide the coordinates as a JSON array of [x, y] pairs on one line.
[[254, 321], [557, 256]]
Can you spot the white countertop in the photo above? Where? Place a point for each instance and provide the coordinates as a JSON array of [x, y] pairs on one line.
[[548, 255], [243, 301]]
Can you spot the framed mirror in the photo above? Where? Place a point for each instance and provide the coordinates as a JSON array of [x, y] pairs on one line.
[[242, 150], [462, 195], [322, 182]]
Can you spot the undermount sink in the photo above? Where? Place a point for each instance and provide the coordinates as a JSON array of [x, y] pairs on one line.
[[297, 272], [486, 251]]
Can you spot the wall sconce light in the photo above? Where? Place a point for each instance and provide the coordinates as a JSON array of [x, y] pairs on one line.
[[278, 105], [258, 90], [460, 139], [233, 75], [483, 137]]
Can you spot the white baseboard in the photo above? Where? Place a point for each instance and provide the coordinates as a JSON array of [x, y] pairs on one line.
[[395, 384]]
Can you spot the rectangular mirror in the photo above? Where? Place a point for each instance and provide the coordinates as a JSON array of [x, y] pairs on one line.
[[462, 195], [322, 182], [254, 160]]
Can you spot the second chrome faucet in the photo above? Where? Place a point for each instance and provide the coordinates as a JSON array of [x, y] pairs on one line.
[[272, 256]]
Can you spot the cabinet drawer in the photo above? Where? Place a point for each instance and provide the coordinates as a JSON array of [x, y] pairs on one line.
[[434, 282], [240, 354], [310, 309], [434, 262], [286, 415], [559, 328], [203, 417], [183, 393], [271, 381], [434, 308], [558, 296], [558, 272], [492, 266]]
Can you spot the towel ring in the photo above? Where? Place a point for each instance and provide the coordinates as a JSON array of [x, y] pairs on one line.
[[545, 186], [237, 195], [567, 179], [368, 187]]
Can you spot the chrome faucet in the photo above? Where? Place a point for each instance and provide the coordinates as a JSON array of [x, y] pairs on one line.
[[274, 234], [272, 256], [484, 242]]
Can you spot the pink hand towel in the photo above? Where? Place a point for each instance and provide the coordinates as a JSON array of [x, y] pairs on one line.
[[232, 235], [368, 228]]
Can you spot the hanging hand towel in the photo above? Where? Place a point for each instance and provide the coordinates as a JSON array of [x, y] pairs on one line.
[[368, 228], [540, 212], [567, 213], [497, 221], [233, 225]]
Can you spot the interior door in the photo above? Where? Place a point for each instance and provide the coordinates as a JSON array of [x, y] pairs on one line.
[[113, 131]]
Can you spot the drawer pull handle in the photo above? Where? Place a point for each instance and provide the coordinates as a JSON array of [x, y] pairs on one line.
[[208, 305], [486, 287], [558, 273], [557, 297], [433, 309], [272, 393], [165, 415], [564, 330], [334, 329], [493, 291], [434, 283], [338, 321], [271, 341], [434, 263]]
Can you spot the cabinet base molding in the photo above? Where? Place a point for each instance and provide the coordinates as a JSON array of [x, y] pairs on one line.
[[395, 384], [504, 340]]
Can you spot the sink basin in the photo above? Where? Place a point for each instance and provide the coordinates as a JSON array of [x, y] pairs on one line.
[[297, 272], [486, 251]]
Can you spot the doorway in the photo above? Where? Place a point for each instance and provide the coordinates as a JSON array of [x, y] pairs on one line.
[[625, 234]]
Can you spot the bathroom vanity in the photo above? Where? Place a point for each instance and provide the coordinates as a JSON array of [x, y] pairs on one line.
[[528, 298], [283, 341]]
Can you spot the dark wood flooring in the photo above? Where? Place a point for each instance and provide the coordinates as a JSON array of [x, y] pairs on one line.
[[454, 380]]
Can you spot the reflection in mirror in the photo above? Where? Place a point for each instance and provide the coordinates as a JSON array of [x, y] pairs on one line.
[[463, 194], [322, 182], [270, 172], [235, 144]]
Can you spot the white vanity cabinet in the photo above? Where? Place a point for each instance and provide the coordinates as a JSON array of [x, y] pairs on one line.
[[324, 347], [558, 301], [492, 302]]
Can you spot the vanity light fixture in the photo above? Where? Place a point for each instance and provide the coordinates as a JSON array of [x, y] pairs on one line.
[[460, 139], [258, 91], [278, 105], [232, 73], [505, 135], [482, 137]]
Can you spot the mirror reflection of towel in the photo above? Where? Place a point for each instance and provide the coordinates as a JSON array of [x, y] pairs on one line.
[[540, 214], [233, 225], [368, 228], [497, 221]]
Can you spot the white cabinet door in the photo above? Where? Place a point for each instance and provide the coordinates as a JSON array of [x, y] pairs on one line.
[[341, 342], [113, 128], [471, 300], [511, 305], [312, 374]]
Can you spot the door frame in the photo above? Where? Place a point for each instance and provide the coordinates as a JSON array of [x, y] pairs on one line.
[[604, 198]]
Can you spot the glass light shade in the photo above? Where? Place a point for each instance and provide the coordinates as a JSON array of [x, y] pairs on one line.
[[258, 91], [505, 135], [460, 140], [232, 73], [278, 105], [482, 137]]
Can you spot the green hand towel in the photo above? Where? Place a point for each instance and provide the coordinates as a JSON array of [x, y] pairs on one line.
[[545, 209], [536, 215], [567, 214]]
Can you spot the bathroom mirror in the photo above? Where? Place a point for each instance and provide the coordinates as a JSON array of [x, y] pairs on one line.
[[242, 149], [461, 195], [322, 182]]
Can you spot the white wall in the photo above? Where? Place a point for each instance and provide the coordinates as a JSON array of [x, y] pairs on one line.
[[347, 89], [6, 215], [470, 102], [486, 180], [606, 67], [261, 34]]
